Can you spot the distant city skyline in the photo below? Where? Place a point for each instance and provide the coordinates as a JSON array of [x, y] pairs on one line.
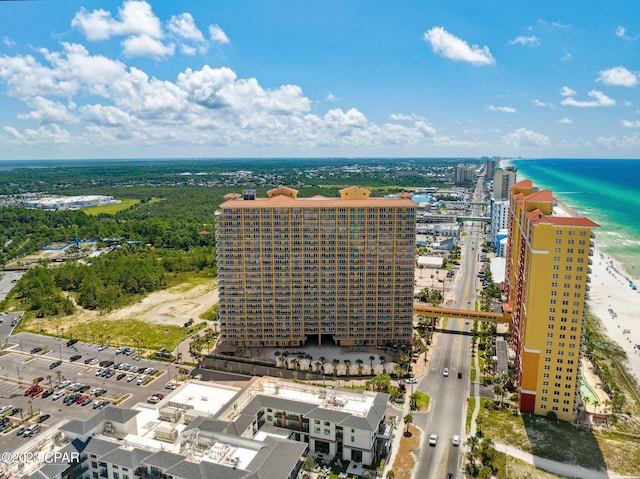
[[154, 79]]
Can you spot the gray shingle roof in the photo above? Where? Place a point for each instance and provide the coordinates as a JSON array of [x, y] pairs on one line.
[[131, 458], [204, 470]]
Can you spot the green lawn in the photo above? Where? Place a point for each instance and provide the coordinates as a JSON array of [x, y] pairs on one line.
[[111, 209], [422, 401], [130, 332]]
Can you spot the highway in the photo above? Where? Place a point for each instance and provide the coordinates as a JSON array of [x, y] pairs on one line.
[[447, 411]]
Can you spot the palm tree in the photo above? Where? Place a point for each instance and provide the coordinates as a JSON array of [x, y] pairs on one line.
[[371, 359], [318, 365], [347, 363], [59, 374], [49, 379], [408, 419], [391, 474], [359, 362]]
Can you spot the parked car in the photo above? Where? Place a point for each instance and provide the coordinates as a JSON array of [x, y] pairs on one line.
[[141, 379], [120, 376], [6, 408], [47, 393], [54, 364], [58, 395], [75, 357], [43, 417], [71, 342], [36, 390], [102, 347], [36, 350], [88, 360], [64, 384], [38, 379], [170, 386]]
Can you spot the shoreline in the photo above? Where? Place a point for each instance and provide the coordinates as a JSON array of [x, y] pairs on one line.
[[615, 303]]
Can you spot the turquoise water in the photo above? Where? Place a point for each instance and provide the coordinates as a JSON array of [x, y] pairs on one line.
[[587, 393], [605, 191]]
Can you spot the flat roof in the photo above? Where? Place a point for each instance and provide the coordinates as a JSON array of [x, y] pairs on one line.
[[316, 202]]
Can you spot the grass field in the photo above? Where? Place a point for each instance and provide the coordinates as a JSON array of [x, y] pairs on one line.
[[561, 441], [111, 209]]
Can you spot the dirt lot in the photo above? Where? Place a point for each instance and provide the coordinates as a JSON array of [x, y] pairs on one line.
[[171, 306], [405, 460]]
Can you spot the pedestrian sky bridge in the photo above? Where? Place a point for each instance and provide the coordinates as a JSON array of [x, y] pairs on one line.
[[481, 219], [462, 313]]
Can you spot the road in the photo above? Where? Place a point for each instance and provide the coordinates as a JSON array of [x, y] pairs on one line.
[[446, 416]]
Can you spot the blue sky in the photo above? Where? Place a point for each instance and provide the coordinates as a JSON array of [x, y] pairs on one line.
[[196, 79]]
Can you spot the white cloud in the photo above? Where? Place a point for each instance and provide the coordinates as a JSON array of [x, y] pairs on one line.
[[217, 35], [630, 124], [144, 45], [47, 111], [541, 104], [331, 97], [42, 137], [401, 117], [565, 121], [566, 57], [618, 76], [454, 48], [134, 18], [566, 91], [598, 99], [621, 31], [337, 118], [503, 109], [531, 40], [626, 142], [523, 137], [185, 27]]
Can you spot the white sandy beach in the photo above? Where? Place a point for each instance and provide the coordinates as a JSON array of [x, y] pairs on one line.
[[610, 289]]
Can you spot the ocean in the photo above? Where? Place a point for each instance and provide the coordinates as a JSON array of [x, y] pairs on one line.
[[605, 191]]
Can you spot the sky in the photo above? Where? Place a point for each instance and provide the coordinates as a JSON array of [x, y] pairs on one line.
[[334, 78]]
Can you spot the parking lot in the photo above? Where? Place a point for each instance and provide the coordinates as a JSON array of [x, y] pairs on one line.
[[20, 368]]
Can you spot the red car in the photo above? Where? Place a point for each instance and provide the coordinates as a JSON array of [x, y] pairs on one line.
[[159, 396], [81, 399], [35, 390], [28, 390], [38, 379]]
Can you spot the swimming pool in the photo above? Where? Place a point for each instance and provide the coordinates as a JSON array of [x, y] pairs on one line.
[[588, 395]]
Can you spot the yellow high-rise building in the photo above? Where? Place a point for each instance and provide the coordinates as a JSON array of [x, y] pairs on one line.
[[547, 286], [324, 269]]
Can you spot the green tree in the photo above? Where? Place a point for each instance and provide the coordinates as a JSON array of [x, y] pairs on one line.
[[408, 420]]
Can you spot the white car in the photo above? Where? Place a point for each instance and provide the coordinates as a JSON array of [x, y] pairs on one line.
[[6, 408], [455, 440], [445, 372], [64, 384], [58, 395], [170, 386], [433, 439], [131, 378], [102, 347], [153, 399], [141, 379]]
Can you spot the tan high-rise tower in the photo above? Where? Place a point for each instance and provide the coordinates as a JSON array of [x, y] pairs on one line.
[[339, 270]]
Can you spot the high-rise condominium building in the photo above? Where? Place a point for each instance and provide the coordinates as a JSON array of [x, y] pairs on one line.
[[503, 180], [323, 269], [547, 280]]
